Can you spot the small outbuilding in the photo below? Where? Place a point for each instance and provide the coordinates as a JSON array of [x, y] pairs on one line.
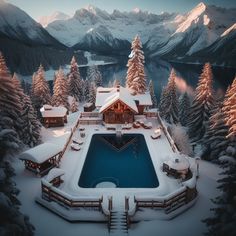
[[53, 116], [42, 158], [178, 166], [89, 107]]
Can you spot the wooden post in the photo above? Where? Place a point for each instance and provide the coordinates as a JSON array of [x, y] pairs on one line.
[[126, 203], [110, 203]]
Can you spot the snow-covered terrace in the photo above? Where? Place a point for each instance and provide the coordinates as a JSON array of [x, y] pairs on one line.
[[72, 162]]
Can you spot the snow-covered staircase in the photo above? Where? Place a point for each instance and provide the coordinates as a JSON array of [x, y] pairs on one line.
[[118, 222]]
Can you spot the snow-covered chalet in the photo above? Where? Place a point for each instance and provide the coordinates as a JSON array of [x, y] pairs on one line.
[[119, 105]]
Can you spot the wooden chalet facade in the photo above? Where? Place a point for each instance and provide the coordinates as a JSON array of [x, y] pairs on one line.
[[118, 113], [53, 116], [119, 106]]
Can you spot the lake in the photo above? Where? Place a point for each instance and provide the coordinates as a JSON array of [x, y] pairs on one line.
[[159, 71]]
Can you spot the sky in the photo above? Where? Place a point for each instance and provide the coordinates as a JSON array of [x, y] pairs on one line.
[[38, 8]]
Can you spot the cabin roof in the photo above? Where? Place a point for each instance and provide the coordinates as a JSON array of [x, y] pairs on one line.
[[107, 96], [119, 94], [47, 111], [41, 153]]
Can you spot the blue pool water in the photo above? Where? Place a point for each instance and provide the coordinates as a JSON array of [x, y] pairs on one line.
[[124, 161]]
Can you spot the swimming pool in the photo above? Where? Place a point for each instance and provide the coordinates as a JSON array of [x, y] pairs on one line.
[[123, 161]]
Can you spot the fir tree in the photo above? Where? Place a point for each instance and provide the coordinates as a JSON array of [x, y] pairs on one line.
[[110, 85], [86, 90], [74, 105], [75, 88], [169, 101], [224, 219], [94, 75], [152, 93], [202, 104], [135, 79], [60, 90], [184, 109], [163, 102], [230, 111], [116, 83], [10, 108], [92, 93], [30, 132], [40, 90]]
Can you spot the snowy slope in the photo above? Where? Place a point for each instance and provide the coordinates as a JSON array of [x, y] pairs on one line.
[[167, 35], [121, 25], [16, 24], [46, 20], [221, 52], [198, 29]]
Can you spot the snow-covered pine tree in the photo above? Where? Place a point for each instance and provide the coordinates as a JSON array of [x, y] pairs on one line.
[[75, 87], [202, 105], [12, 221], [224, 219], [116, 83], [30, 131], [92, 93], [184, 109], [10, 107], [40, 90], [60, 90], [74, 105], [169, 101], [214, 140], [163, 101], [110, 85], [94, 75], [136, 79], [86, 89], [152, 93], [230, 111]]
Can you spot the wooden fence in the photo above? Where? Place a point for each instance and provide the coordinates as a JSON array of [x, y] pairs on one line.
[[90, 114], [68, 140], [169, 138], [50, 194], [168, 204]]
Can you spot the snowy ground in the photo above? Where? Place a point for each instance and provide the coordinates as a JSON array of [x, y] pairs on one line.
[[189, 221]]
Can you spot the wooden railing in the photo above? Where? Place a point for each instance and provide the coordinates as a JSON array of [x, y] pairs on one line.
[[150, 113], [169, 138], [51, 193], [109, 215], [169, 204], [68, 140], [90, 114]]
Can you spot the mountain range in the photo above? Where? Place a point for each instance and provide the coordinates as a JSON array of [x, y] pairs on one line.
[[206, 33], [26, 44]]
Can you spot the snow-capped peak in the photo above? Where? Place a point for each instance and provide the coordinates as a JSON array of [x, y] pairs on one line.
[[91, 9], [46, 20], [136, 10], [229, 30], [192, 16]]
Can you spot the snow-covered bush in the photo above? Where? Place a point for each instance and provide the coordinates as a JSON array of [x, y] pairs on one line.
[[181, 139]]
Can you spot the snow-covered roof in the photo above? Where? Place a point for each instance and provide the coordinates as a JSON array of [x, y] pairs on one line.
[[107, 96], [178, 162], [54, 173], [53, 112], [41, 153], [122, 94], [144, 99]]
